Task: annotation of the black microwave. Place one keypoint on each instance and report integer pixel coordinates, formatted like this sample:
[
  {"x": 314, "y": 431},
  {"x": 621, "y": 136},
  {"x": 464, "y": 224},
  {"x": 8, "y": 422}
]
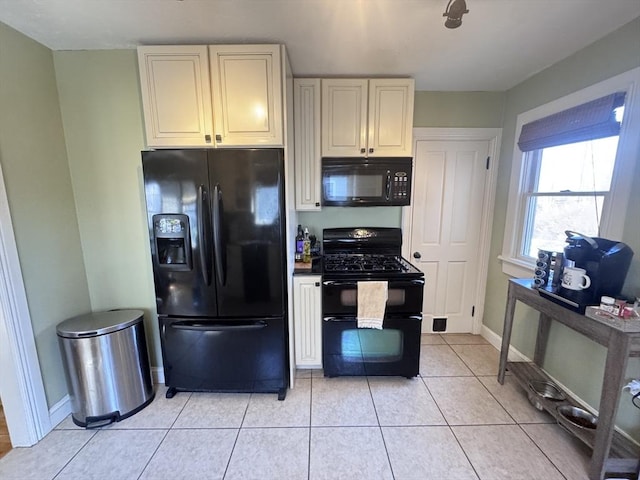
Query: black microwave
[{"x": 366, "y": 182}]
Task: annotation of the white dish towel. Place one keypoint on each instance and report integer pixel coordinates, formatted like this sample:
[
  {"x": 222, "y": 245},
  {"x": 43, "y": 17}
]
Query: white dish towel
[{"x": 372, "y": 302}]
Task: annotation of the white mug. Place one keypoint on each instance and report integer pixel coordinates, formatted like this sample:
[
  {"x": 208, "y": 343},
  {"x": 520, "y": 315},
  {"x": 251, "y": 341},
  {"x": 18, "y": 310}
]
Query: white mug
[{"x": 575, "y": 278}]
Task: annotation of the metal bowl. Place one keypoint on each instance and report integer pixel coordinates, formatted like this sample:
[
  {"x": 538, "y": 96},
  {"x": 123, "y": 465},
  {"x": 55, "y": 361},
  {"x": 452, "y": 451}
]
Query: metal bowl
[
  {"x": 535, "y": 401},
  {"x": 578, "y": 417},
  {"x": 547, "y": 390}
]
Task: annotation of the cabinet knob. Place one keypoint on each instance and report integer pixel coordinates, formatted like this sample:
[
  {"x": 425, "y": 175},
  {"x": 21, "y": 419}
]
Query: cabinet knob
[
  {"x": 207, "y": 138},
  {"x": 362, "y": 150},
  {"x": 317, "y": 204},
  {"x": 371, "y": 150},
  {"x": 218, "y": 138},
  {"x": 317, "y": 284},
  {"x": 416, "y": 255}
]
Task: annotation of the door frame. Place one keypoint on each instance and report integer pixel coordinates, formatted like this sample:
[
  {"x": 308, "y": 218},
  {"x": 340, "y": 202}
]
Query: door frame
[
  {"x": 21, "y": 386},
  {"x": 494, "y": 137}
]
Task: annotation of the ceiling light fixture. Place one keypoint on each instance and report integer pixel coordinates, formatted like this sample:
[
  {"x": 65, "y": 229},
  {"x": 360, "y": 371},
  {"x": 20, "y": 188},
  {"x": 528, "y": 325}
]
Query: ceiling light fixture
[{"x": 454, "y": 11}]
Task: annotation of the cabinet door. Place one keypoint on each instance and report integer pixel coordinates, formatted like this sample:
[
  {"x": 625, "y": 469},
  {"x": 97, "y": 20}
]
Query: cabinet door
[
  {"x": 176, "y": 95},
  {"x": 247, "y": 95},
  {"x": 390, "y": 117},
  {"x": 306, "y": 114},
  {"x": 307, "y": 310},
  {"x": 344, "y": 117}
]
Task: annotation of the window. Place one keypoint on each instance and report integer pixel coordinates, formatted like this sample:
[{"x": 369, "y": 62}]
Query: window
[
  {"x": 565, "y": 190},
  {"x": 572, "y": 170}
]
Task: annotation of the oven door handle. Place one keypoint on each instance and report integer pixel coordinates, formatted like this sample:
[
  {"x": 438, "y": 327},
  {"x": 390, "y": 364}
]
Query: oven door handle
[
  {"x": 353, "y": 319},
  {"x": 392, "y": 284},
  {"x": 339, "y": 319}
]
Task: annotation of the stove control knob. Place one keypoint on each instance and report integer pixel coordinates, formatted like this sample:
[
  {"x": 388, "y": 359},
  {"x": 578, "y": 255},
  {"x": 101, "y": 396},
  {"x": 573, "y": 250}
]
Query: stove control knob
[{"x": 416, "y": 255}]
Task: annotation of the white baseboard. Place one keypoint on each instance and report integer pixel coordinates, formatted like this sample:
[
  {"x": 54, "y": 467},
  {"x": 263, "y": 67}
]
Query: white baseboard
[
  {"x": 496, "y": 340},
  {"x": 60, "y": 411},
  {"x": 157, "y": 375}
]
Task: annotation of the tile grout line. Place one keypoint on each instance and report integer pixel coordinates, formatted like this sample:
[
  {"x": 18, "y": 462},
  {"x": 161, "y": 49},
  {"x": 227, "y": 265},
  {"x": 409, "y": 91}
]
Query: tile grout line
[
  {"x": 375, "y": 410},
  {"x": 448, "y": 425},
  {"x": 166, "y": 433},
  {"x": 75, "y": 454},
  {"x": 235, "y": 441}
]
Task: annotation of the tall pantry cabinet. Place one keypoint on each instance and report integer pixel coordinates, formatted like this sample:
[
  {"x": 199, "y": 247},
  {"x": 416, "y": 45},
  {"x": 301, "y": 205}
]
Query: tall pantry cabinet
[{"x": 216, "y": 95}]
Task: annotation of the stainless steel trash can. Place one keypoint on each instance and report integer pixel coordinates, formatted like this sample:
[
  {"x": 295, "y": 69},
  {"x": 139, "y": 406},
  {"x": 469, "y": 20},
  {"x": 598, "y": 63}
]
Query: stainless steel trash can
[{"x": 106, "y": 366}]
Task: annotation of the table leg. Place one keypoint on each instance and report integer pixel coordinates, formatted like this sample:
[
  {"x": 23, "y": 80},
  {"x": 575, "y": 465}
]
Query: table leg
[
  {"x": 506, "y": 333},
  {"x": 614, "y": 370},
  {"x": 541, "y": 341}
]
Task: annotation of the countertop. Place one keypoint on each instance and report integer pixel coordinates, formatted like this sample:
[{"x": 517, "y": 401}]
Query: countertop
[{"x": 314, "y": 268}]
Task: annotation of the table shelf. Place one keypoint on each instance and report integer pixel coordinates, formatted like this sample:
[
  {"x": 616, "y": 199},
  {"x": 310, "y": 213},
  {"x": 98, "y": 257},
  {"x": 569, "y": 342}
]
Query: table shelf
[
  {"x": 611, "y": 451},
  {"x": 523, "y": 372}
]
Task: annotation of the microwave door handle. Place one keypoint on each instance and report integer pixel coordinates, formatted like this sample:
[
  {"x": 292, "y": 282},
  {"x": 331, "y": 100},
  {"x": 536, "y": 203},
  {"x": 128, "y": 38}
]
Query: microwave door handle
[
  {"x": 388, "y": 189},
  {"x": 202, "y": 235},
  {"x": 217, "y": 236}
]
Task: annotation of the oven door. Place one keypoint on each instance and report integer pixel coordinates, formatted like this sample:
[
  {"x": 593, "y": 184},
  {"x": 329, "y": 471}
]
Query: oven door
[
  {"x": 349, "y": 350},
  {"x": 340, "y": 297}
]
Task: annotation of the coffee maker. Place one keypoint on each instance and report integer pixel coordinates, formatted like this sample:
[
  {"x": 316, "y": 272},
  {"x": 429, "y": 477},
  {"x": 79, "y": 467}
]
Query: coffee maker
[{"x": 606, "y": 263}]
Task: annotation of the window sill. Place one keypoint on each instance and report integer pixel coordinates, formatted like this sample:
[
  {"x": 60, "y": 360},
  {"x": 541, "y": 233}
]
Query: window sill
[{"x": 516, "y": 268}]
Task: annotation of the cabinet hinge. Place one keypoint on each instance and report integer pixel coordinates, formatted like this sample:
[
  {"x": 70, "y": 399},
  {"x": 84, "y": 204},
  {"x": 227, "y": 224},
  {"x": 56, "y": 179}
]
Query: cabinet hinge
[
  {"x": 473, "y": 311},
  {"x": 488, "y": 160}
]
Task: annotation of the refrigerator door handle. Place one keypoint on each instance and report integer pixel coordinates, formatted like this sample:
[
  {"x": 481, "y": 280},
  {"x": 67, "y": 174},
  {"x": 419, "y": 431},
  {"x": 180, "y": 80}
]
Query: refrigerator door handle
[
  {"x": 221, "y": 269},
  {"x": 217, "y": 327},
  {"x": 202, "y": 236}
]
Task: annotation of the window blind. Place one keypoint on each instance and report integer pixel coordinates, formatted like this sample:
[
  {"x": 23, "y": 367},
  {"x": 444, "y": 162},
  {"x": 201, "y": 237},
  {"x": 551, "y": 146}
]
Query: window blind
[{"x": 591, "y": 120}]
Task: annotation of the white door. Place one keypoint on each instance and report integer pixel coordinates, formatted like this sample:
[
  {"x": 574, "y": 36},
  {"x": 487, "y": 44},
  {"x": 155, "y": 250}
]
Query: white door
[{"x": 446, "y": 227}]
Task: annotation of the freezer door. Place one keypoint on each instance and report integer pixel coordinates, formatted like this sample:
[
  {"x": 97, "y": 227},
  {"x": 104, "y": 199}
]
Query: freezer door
[
  {"x": 178, "y": 211},
  {"x": 239, "y": 355},
  {"x": 248, "y": 231}
]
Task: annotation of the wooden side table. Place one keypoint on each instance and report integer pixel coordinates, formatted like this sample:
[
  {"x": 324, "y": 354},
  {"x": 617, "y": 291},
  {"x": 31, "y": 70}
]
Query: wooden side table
[{"x": 612, "y": 452}]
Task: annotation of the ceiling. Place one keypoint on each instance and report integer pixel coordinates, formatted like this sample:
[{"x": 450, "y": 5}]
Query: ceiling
[{"x": 500, "y": 43}]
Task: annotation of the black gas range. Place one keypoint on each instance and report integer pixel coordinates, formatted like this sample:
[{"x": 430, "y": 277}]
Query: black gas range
[{"x": 352, "y": 256}]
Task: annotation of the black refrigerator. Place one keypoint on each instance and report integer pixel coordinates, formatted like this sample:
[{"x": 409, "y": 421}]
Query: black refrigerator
[{"x": 217, "y": 234}]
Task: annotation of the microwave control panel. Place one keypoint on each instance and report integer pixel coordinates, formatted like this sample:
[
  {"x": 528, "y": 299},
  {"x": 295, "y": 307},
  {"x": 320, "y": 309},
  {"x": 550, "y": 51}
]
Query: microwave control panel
[{"x": 400, "y": 186}]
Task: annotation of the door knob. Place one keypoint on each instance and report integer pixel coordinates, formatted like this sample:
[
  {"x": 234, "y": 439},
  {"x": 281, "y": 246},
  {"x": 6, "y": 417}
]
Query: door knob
[{"x": 416, "y": 255}]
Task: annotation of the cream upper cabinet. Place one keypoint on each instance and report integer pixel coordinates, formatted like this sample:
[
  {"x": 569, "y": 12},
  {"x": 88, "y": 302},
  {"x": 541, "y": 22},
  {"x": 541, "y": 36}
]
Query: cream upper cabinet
[
  {"x": 176, "y": 95},
  {"x": 307, "y": 323},
  {"x": 367, "y": 117},
  {"x": 344, "y": 117},
  {"x": 247, "y": 94},
  {"x": 306, "y": 114}
]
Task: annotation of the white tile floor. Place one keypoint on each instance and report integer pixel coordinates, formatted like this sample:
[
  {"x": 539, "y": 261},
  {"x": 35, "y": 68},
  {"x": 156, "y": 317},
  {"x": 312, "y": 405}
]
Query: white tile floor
[{"x": 454, "y": 422}]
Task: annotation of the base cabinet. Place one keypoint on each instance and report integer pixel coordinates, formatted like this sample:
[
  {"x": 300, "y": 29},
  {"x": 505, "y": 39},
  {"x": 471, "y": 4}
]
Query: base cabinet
[{"x": 307, "y": 310}]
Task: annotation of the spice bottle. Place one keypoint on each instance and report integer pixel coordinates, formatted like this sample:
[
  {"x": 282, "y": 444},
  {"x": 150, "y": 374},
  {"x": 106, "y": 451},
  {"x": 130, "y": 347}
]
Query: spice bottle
[
  {"x": 299, "y": 244},
  {"x": 306, "y": 247}
]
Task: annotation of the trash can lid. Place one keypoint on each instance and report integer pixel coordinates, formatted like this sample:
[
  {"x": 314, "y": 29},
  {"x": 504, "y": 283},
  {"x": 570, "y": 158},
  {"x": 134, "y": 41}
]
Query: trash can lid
[{"x": 98, "y": 323}]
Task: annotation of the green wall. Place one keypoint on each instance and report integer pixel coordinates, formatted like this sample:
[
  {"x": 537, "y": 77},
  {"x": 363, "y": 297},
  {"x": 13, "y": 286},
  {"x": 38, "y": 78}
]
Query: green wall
[
  {"x": 572, "y": 359},
  {"x": 102, "y": 117},
  {"x": 38, "y": 185}
]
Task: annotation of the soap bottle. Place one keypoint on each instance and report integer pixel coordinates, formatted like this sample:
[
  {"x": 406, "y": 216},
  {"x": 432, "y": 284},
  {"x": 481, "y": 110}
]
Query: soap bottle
[
  {"x": 306, "y": 247},
  {"x": 299, "y": 244}
]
